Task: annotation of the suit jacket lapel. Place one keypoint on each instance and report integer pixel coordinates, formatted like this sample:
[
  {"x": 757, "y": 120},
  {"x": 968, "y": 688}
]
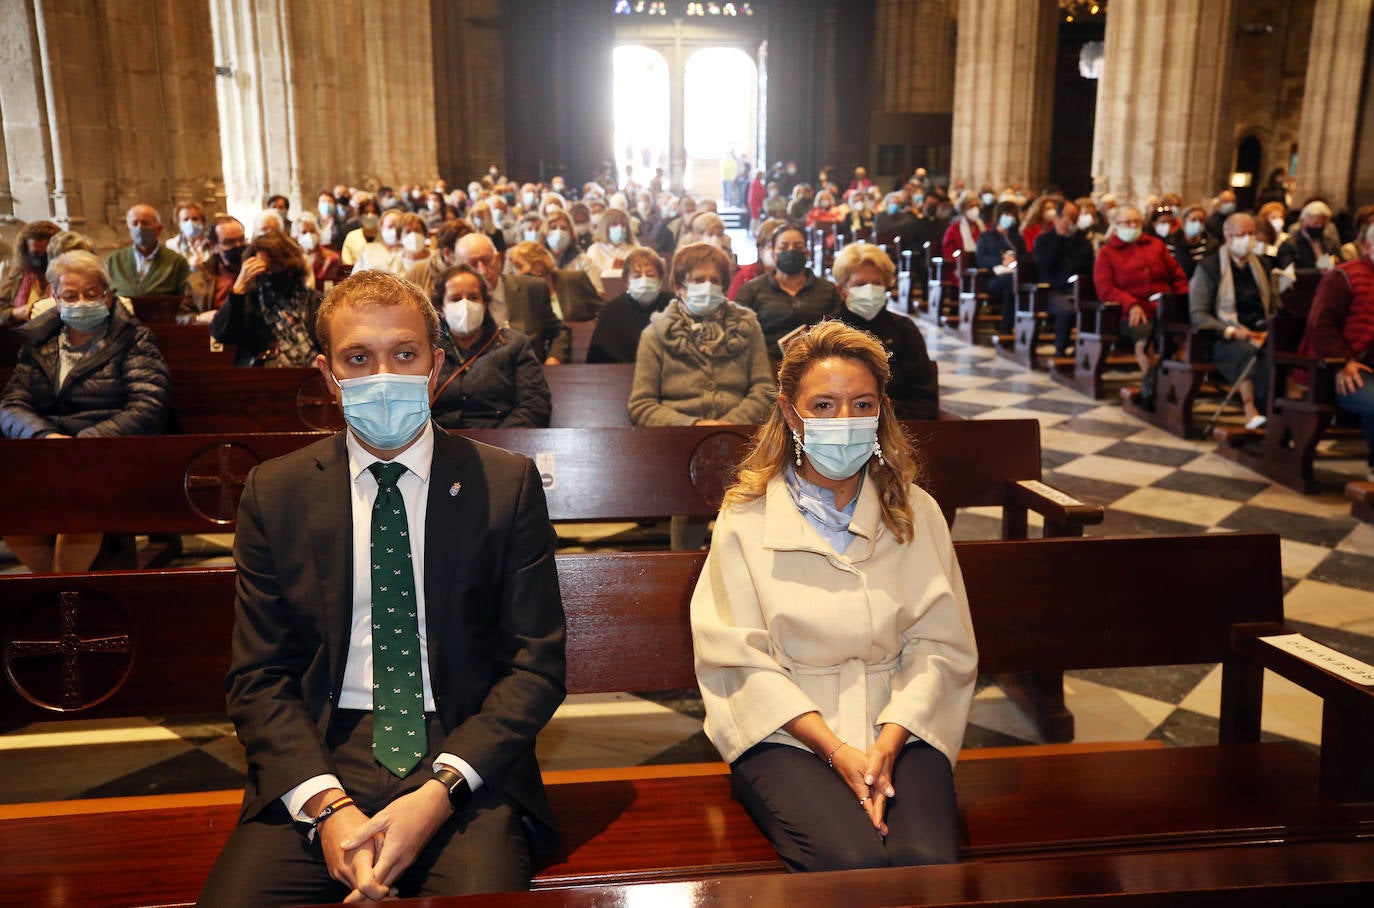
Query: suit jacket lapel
[
  {"x": 331, "y": 539},
  {"x": 448, "y": 536}
]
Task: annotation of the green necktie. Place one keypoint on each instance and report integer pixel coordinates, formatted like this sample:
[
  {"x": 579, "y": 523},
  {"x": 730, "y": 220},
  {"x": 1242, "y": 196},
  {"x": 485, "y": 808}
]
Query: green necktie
[{"x": 398, "y": 700}]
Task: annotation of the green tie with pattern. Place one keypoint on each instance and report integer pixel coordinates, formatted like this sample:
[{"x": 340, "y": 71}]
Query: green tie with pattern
[{"x": 398, "y": 704}]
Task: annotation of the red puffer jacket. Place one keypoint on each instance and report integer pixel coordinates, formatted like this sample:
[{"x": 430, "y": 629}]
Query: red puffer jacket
[{"x": 1128, "y": 273}]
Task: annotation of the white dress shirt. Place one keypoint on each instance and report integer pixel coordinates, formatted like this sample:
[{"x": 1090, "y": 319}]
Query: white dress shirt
[{"x": 356, "y": 692}]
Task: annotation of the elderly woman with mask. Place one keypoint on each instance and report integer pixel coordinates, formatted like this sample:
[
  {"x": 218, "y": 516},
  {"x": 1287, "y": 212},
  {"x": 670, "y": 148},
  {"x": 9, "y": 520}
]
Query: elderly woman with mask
[
  {"x": 559, "y": 236},
  {"x": 571, "y": 293},
  {"x": 701, "y": 361},
  {"x": 270, "y": 313},
  {"x": 86, "y": 368},
  {"x": 866, "y": 277},
  {"x": 491, "y": 378},
  {"x": 614, "y": 241},
  {"x": 623, "y": 320}
]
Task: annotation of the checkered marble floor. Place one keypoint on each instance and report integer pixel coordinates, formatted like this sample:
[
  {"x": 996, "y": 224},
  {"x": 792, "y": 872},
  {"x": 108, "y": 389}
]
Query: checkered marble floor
[{"x": 1149, "y": 481}]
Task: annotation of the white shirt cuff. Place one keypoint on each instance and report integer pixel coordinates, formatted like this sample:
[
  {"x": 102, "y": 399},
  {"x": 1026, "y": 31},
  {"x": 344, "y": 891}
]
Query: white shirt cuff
[
  {"x": 463, "y": 767},
  {"x": 296, "y": 798}
]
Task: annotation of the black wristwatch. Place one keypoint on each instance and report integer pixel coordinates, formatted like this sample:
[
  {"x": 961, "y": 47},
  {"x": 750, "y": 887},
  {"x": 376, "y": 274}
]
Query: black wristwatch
[{"x": 459, "y": 792}]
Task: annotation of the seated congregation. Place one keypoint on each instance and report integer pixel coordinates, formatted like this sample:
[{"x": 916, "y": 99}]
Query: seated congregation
[{"x": 402, "y": 629}]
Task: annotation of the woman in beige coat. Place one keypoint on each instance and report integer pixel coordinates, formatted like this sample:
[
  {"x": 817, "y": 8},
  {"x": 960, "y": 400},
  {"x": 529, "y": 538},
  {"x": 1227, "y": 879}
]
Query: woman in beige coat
[{"x": 834, "y": 648}]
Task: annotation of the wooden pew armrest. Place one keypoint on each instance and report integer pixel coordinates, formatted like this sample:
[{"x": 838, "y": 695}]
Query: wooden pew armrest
[
  {"x": 1064, "y": 515},
  {"x": 1247, "y": 639},
  {"x": 1347, "y": 775}
]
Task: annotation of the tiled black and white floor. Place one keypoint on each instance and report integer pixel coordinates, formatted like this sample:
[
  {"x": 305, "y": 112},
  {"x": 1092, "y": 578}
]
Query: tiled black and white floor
[{"x": 1149, "y": 481}]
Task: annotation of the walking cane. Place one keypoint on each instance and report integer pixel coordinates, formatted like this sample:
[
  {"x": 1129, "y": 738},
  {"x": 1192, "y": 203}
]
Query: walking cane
[{"x": 1235, "y": 386}]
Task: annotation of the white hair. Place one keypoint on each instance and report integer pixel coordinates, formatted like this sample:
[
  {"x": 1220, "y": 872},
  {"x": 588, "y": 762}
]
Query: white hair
[{"x": 1316, "y": 208}]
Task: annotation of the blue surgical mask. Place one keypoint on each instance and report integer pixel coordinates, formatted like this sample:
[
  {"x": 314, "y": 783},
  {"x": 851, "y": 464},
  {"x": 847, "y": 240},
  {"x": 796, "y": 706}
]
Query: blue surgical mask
[
  {"x": 385, "y": 410},
  {"x": 644, "y": 290},
  {"x": 839, "y": 448},
  {"x": 893, "y": 208},
  {"x": 703, "y": 298},
  {"x": 325, "y": 209},
  {"x": 557, "y": 239},
  {"x": 1191, "y": 229},
  {"x": 84, "y": 316},
  {"x": 1128, "y": 234},
  {"x": 616, "y": 234},
  {"x": 1005, "y": 222},
  {"x": 192, "y": 228},
  {"x": 531, "y": 236}
]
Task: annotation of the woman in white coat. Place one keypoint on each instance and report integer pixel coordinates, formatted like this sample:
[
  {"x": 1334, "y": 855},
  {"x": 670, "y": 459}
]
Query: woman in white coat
[{"x": 834, "y": 648}]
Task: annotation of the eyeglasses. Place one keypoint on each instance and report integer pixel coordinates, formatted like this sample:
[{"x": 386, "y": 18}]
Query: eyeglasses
[{"x": 90, "y": 296}]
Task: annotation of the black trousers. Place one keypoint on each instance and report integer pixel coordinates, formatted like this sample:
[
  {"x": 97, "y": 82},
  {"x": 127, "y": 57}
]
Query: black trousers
[
  {"x": 267, "y": 860},
  {"x": 815, "y": 823},
  {"x": 1003, "y": 289},
  {"x": 1062, "y": 310}
]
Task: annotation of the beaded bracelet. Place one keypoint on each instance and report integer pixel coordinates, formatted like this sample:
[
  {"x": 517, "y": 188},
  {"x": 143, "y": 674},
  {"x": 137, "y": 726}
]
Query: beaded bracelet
[{"x": 830, "y": 757}]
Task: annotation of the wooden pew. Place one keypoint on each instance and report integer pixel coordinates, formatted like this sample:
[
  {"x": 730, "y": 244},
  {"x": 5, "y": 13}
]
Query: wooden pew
[
  {"x": 158, "y": 308},
  {"x": 1035, "y": 605},
  {"x": 974, "y": 322},
  {"x": 1094, "y": 349},
  {"x": 191, "y": 347},
  {"x": 1302, "y": 400},
  {"x": 191, "y": 483},
  {"x": 1184, "y": 367},
  {"x": 1361, "y": 495}
]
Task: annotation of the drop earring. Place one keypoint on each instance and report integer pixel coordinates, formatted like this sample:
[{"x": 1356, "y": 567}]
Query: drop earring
[
  {"x": 797, "y": 443},
  {"x": 878, "y": 453}
]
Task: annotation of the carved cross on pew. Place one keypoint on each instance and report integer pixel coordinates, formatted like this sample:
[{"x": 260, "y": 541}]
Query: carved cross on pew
[
  {"x": 70, "y": 647},
  {"x": 214, "y": 481}
]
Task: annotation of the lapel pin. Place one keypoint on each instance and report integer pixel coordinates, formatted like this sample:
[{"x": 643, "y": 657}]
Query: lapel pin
[{"x": 454, "y": 489}]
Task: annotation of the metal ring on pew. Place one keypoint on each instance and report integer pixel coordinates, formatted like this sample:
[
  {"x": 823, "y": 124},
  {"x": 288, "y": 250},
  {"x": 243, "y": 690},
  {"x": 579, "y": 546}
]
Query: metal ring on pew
[
  {"x": 713, "y": 462},
  {"x": 69, "y": 655},
  {"x": 316, "y": 405},
  {"x": 214, "y": 481}
]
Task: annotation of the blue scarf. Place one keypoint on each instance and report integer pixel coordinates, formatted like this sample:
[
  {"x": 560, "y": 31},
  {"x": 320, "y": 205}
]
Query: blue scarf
[{"x": 818, "y": 507}]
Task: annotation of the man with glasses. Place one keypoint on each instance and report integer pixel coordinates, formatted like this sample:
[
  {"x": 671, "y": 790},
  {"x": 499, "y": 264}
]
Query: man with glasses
[{"x": 519, "y": 302}]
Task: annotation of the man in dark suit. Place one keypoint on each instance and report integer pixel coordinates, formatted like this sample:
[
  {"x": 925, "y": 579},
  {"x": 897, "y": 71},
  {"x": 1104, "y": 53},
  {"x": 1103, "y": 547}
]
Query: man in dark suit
[
  {"x": 398, "y": 640},
  {"x": 518, "y": 302}
]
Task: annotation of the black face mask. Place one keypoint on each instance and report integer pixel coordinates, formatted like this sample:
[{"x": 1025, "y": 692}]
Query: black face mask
[
  {"x": 37, "y": 263},
  {"x": 1315, "y": 232},
  {"x": 233, "y": 258},
  {"x": 791, "y": 261}
]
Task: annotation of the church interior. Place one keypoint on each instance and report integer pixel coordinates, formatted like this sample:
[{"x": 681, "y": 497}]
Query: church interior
[{"x": 923, "y": 112}]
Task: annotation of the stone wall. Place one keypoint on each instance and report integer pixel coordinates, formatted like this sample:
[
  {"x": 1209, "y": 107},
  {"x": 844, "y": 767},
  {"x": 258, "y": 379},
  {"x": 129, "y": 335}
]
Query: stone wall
[{"x": 105, "y": 105}]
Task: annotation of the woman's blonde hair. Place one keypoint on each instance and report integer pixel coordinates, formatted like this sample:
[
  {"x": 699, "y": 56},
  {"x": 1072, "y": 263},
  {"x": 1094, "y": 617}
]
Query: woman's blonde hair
[
  {"x": 856, "y": 254},
  {"x": 772, "y": 446}
]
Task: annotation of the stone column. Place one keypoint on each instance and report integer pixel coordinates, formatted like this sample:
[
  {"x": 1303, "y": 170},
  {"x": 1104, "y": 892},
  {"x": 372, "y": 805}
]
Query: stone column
[
  {"x": 1004, "y": 92},
  {"x": 1331, "y": 100},
  {"x": 1164, "y": 121},
  {"x": 105, "y": 105},
  {"x": 677, "y": 118},
  {"x": 914, "y": 55},
  {"x": 315, "y": 97}
]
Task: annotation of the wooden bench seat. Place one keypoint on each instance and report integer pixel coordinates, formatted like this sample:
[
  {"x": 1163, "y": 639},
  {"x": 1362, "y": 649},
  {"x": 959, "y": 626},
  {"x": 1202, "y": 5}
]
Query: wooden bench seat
[
  {"x": 1361, "y": 495},
  {"x": 191, "y": 483},
  {"x": 628, "y": 630}
]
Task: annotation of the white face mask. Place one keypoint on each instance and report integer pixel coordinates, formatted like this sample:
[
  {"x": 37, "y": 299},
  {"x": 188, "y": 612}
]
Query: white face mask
[
  {"x": 557, "y": 239},
  {"x": 413, "y": 242},
  {"x": 866, "y": 301},
  {"x": 389, "y": 236},
  {"x": 1128, "y": 234},
  {"x": 1085, "y": 221},
  {"x": 644, "y": 290},
  {"x": 464, "y": 317},
  {"x": 703, "y": 298},
  {"x": 1163, "y": 229},
  {"x": 308, "y": 241},
  {"x": 1277, "y": 224},
  {"x": 1240, "y": 246}
]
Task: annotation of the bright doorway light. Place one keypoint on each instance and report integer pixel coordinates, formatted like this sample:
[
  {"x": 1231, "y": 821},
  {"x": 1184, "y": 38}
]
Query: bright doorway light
[
  {"x": 641, "y": 112},
  {"x": 720, "y": 112}
]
